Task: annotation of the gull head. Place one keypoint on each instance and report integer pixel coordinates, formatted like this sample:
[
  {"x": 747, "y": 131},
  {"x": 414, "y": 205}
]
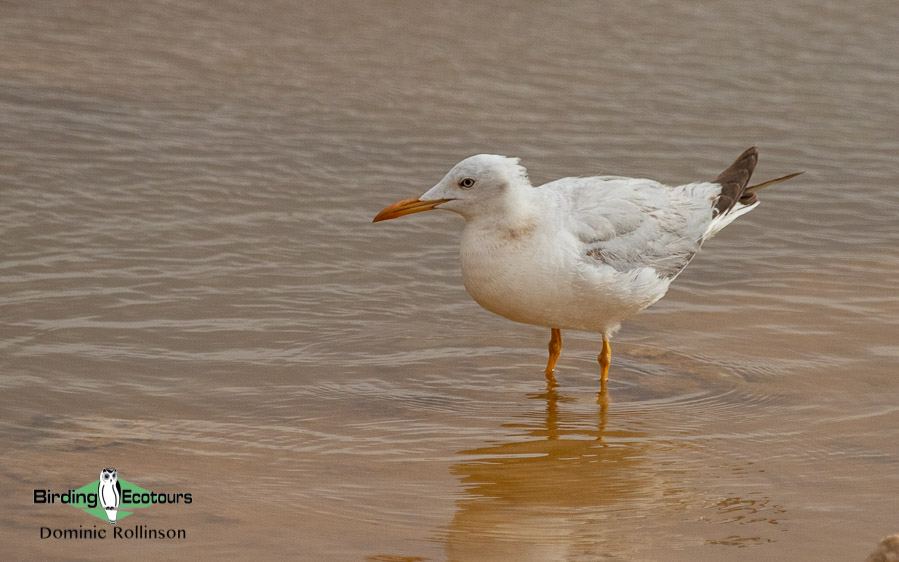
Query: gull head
[{"x": 479, "y": 185}]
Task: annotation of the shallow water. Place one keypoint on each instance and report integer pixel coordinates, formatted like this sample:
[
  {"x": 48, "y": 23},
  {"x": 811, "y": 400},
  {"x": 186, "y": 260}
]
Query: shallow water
[{"x": 192, "y": 292}]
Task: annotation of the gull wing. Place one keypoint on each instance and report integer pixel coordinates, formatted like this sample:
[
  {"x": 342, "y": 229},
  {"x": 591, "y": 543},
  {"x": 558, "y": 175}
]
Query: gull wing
[{"x": 629, "y": 224}]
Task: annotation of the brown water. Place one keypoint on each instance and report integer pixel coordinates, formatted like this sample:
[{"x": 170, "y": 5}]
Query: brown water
[{"x": 191, "y": 290}]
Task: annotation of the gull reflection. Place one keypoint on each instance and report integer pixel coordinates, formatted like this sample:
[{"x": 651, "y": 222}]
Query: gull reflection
[{"x": 551, "y": 490}]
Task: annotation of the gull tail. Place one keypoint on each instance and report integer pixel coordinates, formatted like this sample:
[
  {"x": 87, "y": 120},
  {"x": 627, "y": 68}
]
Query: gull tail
[
  {"x": 735, "y": 179},
  {"x": 737, "y": 196}
]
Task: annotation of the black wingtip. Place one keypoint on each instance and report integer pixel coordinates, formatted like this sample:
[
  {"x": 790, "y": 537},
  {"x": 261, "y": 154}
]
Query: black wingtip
[
  {"x": 753, "y": 188},
  {"x": 744, "y": 164},
  {"x": 734, "y": 179}
]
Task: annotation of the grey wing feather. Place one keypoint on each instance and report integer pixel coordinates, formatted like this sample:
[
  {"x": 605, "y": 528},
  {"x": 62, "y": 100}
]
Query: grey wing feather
[{"x": 628, "y": 223}]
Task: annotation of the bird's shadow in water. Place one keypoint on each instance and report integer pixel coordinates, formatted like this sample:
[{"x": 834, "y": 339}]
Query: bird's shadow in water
[
  {"x": 602, "y": 397},
  {"x": 552, "y": 484},
  {"x": 575, "y": 478}
]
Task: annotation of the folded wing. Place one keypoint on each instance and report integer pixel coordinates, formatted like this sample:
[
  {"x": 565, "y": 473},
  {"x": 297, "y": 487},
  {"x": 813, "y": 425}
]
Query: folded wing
[{"x": 629, "y": 224}]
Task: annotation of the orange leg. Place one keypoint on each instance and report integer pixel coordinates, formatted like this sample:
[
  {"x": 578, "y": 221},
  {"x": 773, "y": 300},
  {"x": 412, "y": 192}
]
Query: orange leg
[
  {"x": 605, "y": 359},
  {"x": 555, "y": 349}
]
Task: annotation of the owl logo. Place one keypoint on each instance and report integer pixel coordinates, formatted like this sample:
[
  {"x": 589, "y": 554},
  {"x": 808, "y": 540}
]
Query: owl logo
[{"x": 110, "y": 492}]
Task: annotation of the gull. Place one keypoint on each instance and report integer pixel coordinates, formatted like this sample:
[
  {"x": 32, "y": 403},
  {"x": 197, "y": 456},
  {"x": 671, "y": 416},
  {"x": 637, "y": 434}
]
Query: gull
[{"x": 579, "y": 253}]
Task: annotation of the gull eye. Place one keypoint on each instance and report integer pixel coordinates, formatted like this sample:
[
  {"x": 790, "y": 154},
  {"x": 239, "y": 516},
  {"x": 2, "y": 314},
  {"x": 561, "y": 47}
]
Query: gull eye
[{"x": 466, "y": 183}]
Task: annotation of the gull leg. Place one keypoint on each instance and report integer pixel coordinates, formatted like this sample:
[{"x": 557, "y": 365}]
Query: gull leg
[
  {"x": 605, "y": 359},
  {"x": 555, "y": 349}
]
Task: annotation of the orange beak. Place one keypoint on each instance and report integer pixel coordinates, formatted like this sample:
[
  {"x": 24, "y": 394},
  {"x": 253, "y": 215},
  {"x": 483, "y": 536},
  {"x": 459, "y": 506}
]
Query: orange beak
[{"x": 407, "y": 207}]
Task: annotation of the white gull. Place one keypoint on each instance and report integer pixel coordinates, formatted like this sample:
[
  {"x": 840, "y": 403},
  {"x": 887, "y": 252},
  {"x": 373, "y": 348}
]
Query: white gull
[{"x": 579, "y": 253}]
